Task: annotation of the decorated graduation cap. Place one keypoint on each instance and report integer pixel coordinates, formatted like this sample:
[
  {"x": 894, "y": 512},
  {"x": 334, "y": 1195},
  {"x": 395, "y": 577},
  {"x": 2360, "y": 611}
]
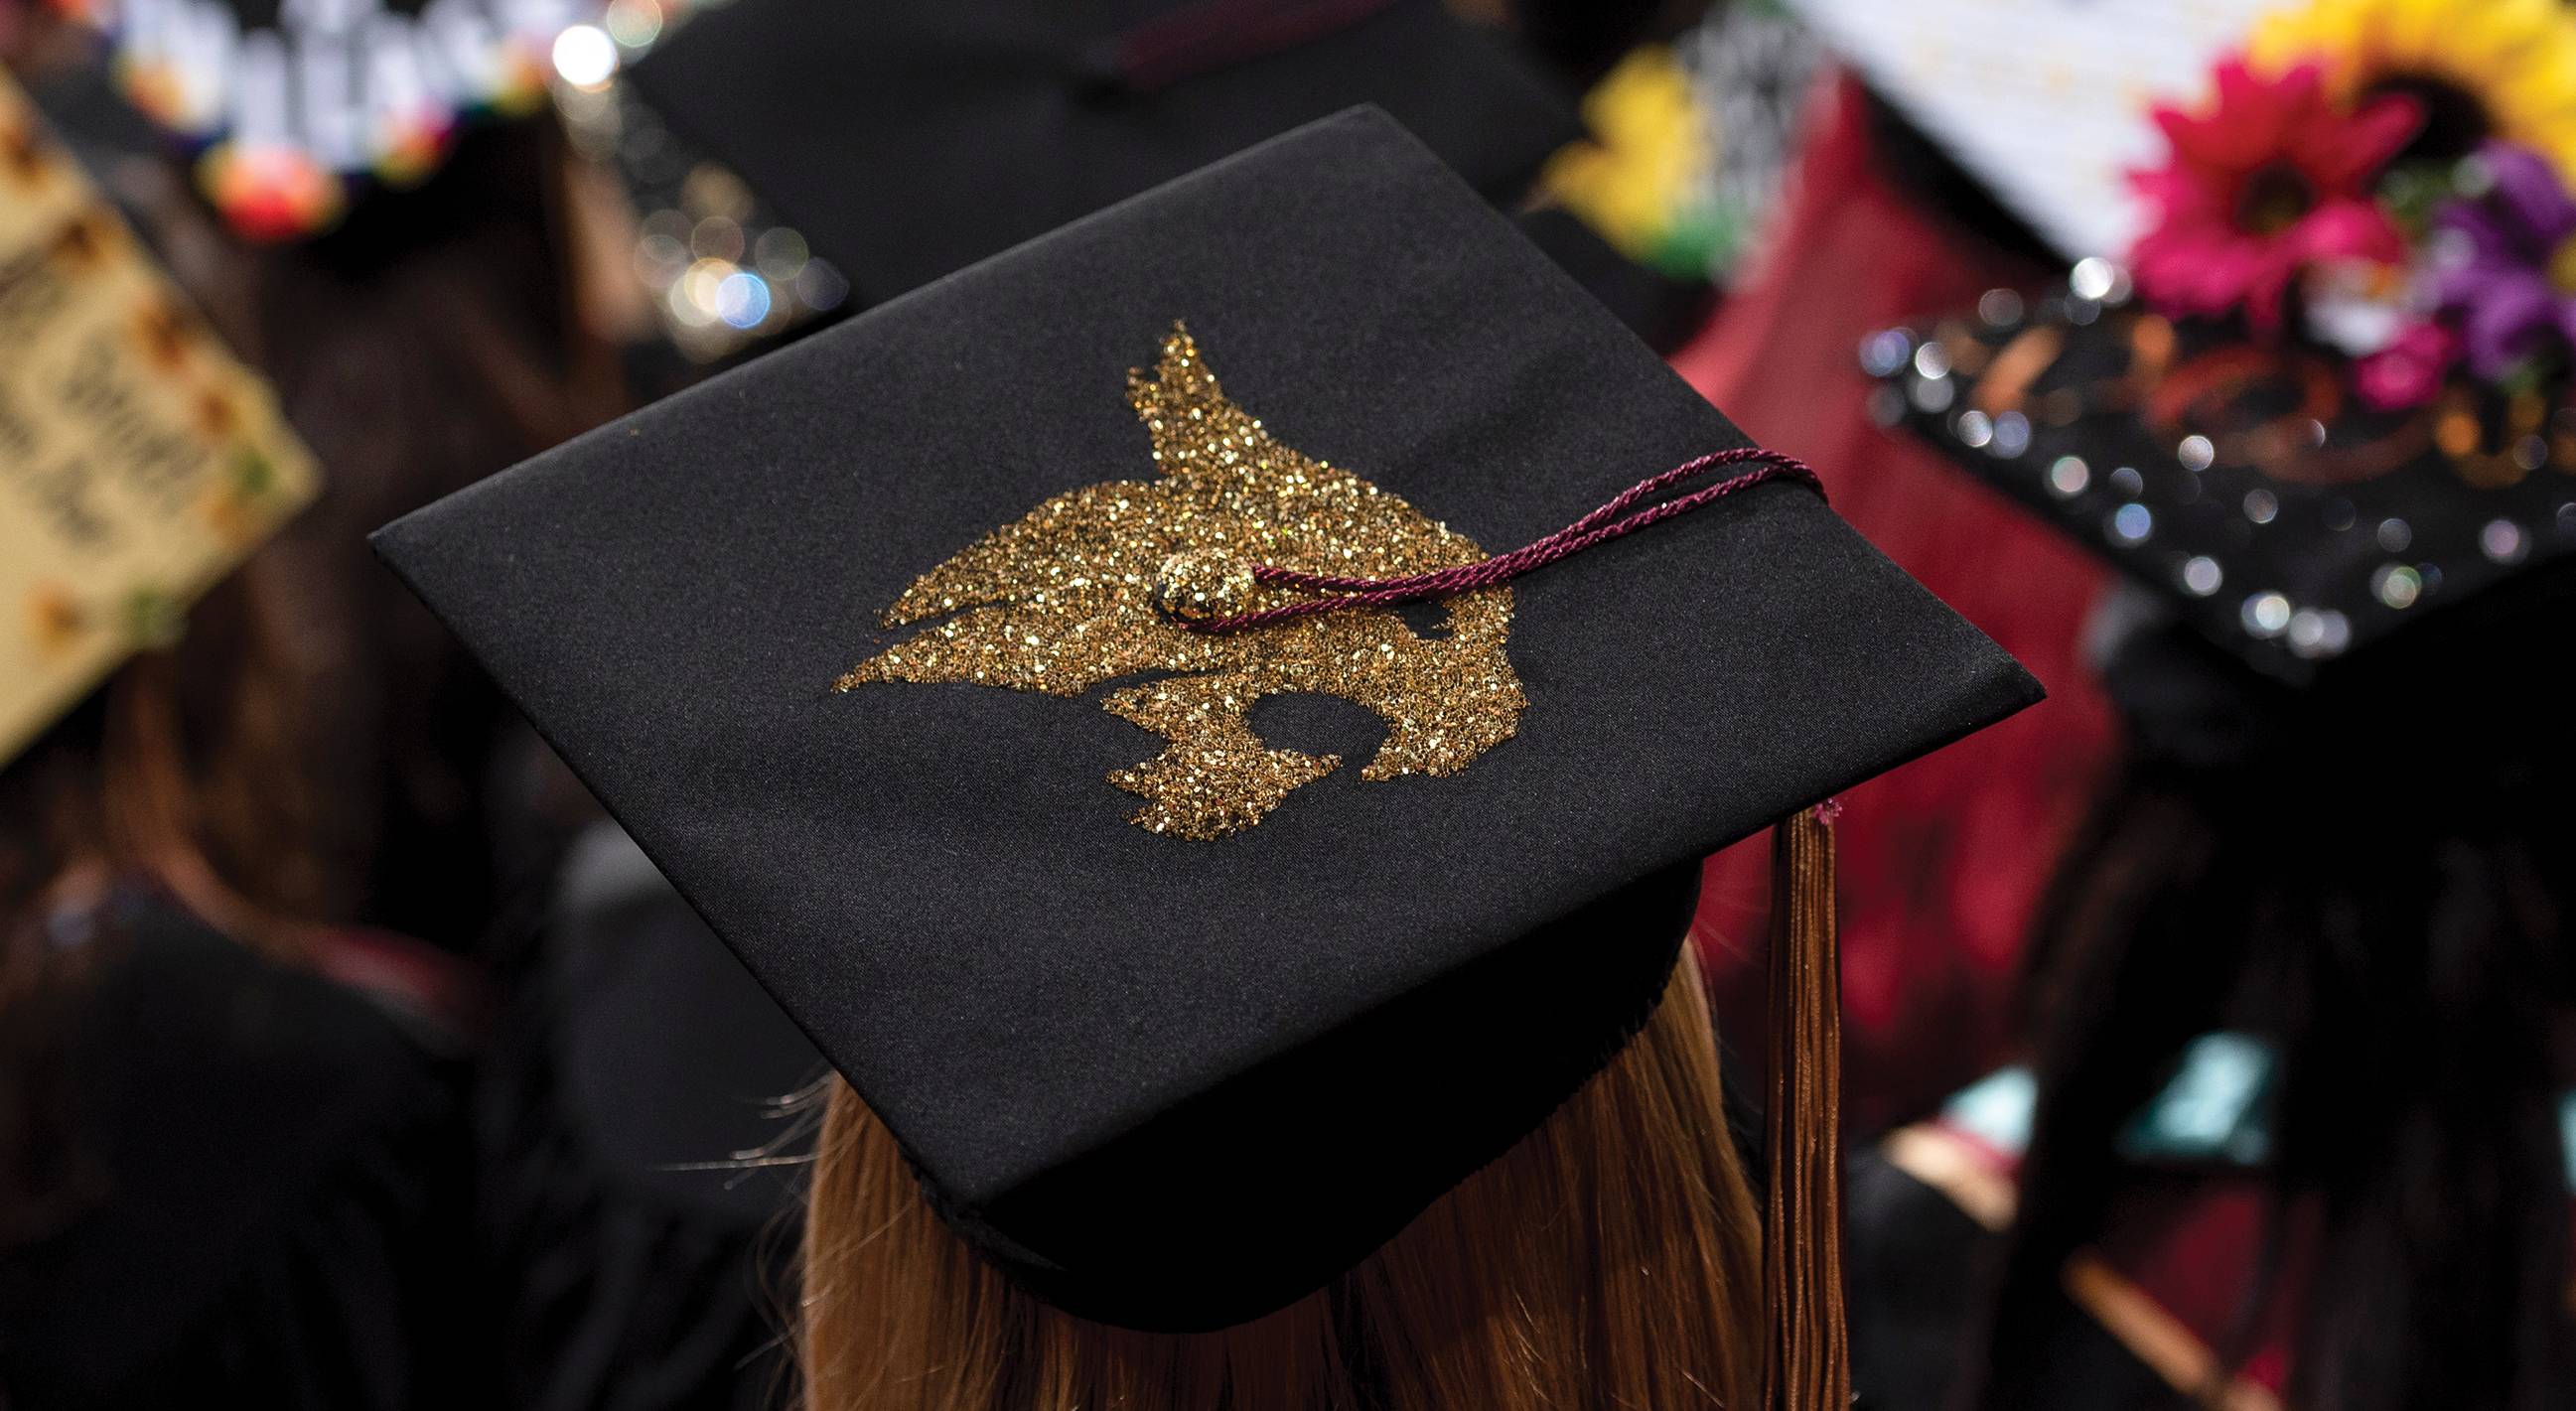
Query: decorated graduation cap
[
  {"x": 897, "y": 143},
  {"x": 291, "y": 108},
  {"x": 139, "y": 463},
  {"x": 2246, "y": 485},
  {"x": 2327, "y": 397},
  {"x": 1210, "y": 718}
]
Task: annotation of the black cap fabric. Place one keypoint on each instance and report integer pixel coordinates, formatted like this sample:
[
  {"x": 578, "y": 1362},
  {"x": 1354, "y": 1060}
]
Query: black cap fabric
[
  {"x": 1170, "y": 1059},
  {"x": 2244, "y": 484},
  {"x": 907, "y": 141}
]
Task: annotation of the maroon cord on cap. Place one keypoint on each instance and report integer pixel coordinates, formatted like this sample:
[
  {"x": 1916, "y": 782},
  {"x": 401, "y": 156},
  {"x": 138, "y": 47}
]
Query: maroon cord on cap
[
  {"x": 1218, "y": 34},
  {"x": 1599, "y": 527}
]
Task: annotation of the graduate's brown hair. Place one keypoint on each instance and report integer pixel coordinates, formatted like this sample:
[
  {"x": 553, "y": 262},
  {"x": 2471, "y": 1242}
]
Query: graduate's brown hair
[{"x": 1611, "y": 1259}]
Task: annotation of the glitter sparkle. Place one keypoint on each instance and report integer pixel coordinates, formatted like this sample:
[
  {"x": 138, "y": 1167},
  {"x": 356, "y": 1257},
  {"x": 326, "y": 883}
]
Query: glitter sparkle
[{"x": 1071, "y": 596}]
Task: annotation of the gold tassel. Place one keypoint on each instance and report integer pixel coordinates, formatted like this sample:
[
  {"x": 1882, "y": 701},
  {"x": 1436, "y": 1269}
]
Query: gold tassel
[{"x": 1807, "y": 1365}]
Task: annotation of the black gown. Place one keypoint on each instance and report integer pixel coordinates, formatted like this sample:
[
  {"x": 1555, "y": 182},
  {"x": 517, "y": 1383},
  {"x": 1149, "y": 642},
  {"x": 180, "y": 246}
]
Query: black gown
[
  {"x": 652, "y": 1270},
  {"x": 269, "y": 1202},
  {"x": 2136, "y": 1318},
  {"x": 1917, "y": 1261}
]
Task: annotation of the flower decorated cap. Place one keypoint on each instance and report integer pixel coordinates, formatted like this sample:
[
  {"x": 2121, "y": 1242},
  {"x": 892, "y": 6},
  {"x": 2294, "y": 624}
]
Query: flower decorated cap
[
  {"x": 2341, "y": 402},
  {"x": 1136, "y": 704},
  {"x": 2040, "y": 101},
  {"x": 2049, "y": 105},
  {"x": 901, "y": 142},
  {"x": 2247, "y": 482}
]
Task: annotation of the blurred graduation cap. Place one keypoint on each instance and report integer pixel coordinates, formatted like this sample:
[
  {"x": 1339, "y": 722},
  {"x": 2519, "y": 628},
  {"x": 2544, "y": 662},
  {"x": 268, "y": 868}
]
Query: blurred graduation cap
[
  {"x": 1187, "y": 964},
  {"x": 901, "y": 142},
  {"x": 2243, "y": 483},
  {"x": 291, "y": 108},
  {"x": 2037, "y": 102},
  {"x": 142, "y": 463}
]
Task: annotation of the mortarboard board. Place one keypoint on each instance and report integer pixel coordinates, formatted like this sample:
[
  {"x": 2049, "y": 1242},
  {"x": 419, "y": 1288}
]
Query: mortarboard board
[
  {"x": 2244, "y": 484},
  {"x": 141, "y": 463},
  {"x": 1176, "y": 1023},
  {"x": 2039, "y": 102},
  {"x": 2332, "y": 417},
  {"x": 905, "y": 141}
]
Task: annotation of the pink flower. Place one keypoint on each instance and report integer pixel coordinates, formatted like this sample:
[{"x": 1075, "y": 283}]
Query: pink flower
[
  {"x": 2408, "y": 371},
  {"x": 2274, "y": 178}
]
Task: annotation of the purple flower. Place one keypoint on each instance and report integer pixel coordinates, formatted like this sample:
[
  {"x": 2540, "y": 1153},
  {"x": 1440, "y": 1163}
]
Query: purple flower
[{"x": 2508, "y": 276}]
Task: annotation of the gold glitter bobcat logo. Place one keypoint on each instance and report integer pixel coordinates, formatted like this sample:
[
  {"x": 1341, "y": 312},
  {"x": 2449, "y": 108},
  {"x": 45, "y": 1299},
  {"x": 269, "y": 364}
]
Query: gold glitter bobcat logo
[{"x": 1073, "y": 595}]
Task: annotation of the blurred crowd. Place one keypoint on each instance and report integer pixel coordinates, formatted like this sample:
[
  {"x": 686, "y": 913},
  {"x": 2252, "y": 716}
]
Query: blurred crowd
[{"x": 2204, "y": 1027}]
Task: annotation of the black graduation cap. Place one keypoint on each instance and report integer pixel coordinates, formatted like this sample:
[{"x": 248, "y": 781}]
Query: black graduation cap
[
  {"x": 906, "y": 141},
  {"x": 2243, "y": 483},
  {"x": 1189, "y": 967}
]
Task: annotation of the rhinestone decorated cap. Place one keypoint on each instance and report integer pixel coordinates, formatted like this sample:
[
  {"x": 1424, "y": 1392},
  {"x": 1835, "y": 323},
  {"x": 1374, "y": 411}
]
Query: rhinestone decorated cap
[
  {"x": 2247, "y": 485},
  {"x": 1189, "y": 967}
]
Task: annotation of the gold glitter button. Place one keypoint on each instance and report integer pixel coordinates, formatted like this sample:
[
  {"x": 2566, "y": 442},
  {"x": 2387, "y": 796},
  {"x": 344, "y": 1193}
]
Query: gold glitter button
[
  {"x": 1198, "y": 586},
  {"x": 1083, "y": 590}
]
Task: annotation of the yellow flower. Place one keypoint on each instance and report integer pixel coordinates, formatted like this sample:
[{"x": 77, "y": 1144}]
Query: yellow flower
[
  {"x": 1636, "y": 179},
  {"x": 2516, "y": 59}
]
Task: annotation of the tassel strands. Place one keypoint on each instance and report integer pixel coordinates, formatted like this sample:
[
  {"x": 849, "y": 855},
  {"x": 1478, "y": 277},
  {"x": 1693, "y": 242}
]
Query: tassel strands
[{"x": 1807, "y": 1365}]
